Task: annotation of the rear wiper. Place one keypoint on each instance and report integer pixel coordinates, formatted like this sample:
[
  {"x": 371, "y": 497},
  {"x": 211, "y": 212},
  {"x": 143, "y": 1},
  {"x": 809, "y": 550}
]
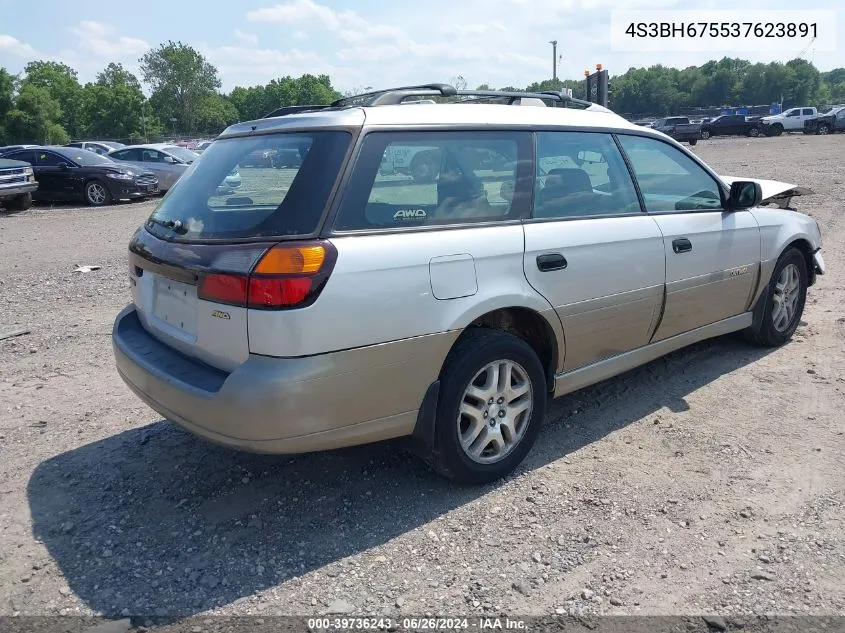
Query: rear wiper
[{"x": 177, "y": 226}]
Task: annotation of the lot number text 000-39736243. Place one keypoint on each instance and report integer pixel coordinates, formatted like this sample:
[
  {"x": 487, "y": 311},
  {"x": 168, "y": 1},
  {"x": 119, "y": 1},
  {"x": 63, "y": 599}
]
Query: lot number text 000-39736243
[{"x": 722, "y": 31}]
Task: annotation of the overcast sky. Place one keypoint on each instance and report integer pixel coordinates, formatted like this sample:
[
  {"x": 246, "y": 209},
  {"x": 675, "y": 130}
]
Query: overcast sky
[{"x": 377, "y": 43}]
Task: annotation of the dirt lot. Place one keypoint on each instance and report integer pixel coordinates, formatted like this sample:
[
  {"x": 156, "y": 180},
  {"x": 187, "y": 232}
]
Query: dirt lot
[{"x": 708, "y": 481}]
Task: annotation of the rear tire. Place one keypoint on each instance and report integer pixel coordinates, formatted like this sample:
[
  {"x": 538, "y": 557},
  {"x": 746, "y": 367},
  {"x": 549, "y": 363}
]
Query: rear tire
[
  {"x": 97, "y": 194},
  {"x": 486, "y": 423},
  {"x": 777, "y": 130},
  {"x": 19, "y": 203},
  {"x": 781, "y": 305},
  {"x": 693, "y": 141}
]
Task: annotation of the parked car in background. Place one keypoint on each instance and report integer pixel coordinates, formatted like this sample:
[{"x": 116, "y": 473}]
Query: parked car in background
[
  {"x": 679, "y": 128},
  {"x": 202, "y": 146},
  {"x": 167, "y": 162},
  {"x": 70, "y": 173},
  {"x": 98, "y": 147},
  {"x": 827, "y": 123},
  {"x": 791, "y": 120},
  {"x": 730, "y": 125},
  {"x": 17, "y": 184},
  {"x": 259, "y": 158}
]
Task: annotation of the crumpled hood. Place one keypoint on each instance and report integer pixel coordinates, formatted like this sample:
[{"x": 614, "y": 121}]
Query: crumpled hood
[{"x": 780, "y": 193}]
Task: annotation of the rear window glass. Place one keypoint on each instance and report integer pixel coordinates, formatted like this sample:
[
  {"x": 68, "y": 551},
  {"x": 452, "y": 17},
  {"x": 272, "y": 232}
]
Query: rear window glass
[
  {"x": 403, "y": 180},
  {"x": 261, "y": 186}
]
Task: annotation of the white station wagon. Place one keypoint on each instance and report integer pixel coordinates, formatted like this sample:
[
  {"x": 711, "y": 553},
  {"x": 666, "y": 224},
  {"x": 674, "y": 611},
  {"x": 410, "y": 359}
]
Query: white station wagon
[{"x": 342, "y": 302}]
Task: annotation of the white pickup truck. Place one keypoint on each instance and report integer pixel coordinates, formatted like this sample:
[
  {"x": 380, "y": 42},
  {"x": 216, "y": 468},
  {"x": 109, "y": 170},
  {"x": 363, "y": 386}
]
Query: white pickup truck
[{"x": 791, "y": 120}]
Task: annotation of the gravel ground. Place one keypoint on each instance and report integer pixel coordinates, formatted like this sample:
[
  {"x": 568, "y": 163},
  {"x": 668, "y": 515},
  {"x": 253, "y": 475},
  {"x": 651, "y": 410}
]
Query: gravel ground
[{"x": 709, "y": 481}]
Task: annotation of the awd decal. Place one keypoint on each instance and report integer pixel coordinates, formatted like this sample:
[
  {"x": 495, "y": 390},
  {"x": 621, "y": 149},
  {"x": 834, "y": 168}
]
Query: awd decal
[
  {"x": 219, "y": 314},
  {"x": 409, "y": 214}
]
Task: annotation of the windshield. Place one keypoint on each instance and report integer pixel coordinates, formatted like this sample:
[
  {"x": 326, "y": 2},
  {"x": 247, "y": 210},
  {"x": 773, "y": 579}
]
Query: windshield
[
  {"x": 181, "y": 153},
  {"x": 283, "y": 187},
  {"x": 112, "y": 144},
  {"x": 84, "y": 157}
]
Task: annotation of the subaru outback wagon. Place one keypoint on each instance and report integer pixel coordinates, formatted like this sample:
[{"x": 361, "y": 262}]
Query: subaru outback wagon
[{"x": 339, "y": 303}]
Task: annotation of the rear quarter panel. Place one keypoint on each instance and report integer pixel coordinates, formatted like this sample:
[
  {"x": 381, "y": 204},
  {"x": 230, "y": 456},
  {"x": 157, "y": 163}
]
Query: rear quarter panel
[{"x": 381, "y": 290}]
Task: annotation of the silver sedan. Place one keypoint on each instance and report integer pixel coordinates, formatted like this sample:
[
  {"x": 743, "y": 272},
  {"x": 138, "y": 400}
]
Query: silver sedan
[{"x": 167, "y": 162}]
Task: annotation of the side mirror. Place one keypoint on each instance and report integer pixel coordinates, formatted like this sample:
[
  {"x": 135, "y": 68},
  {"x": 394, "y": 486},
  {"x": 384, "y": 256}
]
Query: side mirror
[
  {"x": 169, "y": 160},
  {"x": 62, "y": 166},
  {"x": 745, "y": 194}
]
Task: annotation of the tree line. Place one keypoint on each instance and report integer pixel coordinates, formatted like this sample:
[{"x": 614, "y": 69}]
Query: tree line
[{"x": 48, "y": 104}]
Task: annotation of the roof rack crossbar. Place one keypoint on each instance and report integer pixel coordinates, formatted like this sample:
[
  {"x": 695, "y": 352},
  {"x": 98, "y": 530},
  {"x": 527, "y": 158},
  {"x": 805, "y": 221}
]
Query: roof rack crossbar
[
  {"x": 293, "y": 109},
  {"x": 546, "y": 95},
  {"x": 395, "y": 96},
  {"x": 389, "y": 96}
]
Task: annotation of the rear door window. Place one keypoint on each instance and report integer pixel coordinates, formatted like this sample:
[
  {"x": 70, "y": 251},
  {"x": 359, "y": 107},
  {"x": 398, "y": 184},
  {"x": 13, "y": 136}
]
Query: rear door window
[
  {"x": 49, "y": 159},
  {"x": 581, "y": 174},
  {"x": 26, "y": 155},
  {"x": 151, "y": 156},
  {"x": 267, "y": 202},
  {"x": 409, "y": 179},
  {"x": 133, "y": 154}
]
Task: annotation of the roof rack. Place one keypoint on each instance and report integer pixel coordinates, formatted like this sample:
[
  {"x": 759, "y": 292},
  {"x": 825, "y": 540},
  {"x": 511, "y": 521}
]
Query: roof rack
[
  {"x": 396, "y": 96},
  {"x": 285, "y": 110}
]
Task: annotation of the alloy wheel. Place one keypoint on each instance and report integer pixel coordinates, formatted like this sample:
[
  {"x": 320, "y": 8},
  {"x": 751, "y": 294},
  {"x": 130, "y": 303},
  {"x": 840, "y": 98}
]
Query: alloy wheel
[{"x": 495, "y": 411}]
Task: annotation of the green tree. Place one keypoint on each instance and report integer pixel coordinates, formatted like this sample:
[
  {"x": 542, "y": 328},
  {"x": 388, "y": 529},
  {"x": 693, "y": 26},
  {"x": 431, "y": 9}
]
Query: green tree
[
  {"x": 180, "y": 79},
  {"x": 7, "y": 101},
  {"x": 805, "y": 82},
  {"x": 63, "y": 86},
  {"x": 251, "y": 103},
  {"x": 114, "y": 105},
  {"x": 215, "y": 113},
  {"x": 305, "y": 90},
  {"x": 35, "y": 117}
]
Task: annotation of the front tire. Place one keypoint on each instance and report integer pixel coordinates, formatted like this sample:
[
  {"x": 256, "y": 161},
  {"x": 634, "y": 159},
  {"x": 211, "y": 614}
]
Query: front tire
[
  {"x": 491, "y": 407},
  {"x": 779, "y": 312},
  {"x": 754, "y": 132},
  {"x": 693, "y": 141},
  {"x": 823, "y": 129},
  {"x": 19, "y": 203},
  {"x": 96, "y": 194},
  {"x": 705, "y": 134},
  {"x": 777, "y": 130}
]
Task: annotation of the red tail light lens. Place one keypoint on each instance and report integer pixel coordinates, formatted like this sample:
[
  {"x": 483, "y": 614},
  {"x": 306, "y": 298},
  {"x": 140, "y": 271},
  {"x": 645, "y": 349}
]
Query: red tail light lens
[
  {"x": 286, "y": 276},
  {"x": 224, "y": 288},
  {"x": 274, "y": 292}
]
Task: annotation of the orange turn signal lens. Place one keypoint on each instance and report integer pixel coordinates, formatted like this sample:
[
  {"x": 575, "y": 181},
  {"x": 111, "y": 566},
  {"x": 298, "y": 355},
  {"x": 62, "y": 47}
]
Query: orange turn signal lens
[{"x": 291, "y": 260}]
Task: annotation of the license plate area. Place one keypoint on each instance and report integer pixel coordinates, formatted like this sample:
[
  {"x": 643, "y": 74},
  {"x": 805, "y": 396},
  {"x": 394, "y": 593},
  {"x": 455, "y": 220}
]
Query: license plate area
[{"x": 175, "y": 305}]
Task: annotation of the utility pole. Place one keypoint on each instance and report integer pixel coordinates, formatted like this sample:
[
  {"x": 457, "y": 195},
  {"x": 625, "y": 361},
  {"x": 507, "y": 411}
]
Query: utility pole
[{"x": 554, "y": 59}]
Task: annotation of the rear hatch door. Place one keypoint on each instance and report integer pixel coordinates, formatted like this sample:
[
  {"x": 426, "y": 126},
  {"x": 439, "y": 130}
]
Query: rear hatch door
[{"x": 204, "y": 239}]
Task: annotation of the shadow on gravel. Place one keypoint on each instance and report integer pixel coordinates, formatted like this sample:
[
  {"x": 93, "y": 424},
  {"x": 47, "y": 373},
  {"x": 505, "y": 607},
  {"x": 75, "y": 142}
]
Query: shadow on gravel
[{"x": 155, "y": 522}]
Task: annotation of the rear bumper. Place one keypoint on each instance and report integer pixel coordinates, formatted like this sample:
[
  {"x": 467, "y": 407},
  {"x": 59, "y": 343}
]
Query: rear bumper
[{"x": 283, "y": 405}]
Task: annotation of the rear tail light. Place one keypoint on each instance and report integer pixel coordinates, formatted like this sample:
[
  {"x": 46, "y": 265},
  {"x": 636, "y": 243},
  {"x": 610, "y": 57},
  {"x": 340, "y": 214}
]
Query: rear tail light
[{"x": 286, "y": 276}]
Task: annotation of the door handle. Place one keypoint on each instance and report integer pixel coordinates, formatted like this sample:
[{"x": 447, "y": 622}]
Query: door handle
[
  {"x": 551, "y": 261},
  {"x": 681, "y": 245}
]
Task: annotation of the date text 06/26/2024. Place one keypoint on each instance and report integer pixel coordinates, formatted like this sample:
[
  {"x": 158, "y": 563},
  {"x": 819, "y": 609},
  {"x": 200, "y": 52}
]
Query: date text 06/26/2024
[{"x": 720, "y": 31}]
